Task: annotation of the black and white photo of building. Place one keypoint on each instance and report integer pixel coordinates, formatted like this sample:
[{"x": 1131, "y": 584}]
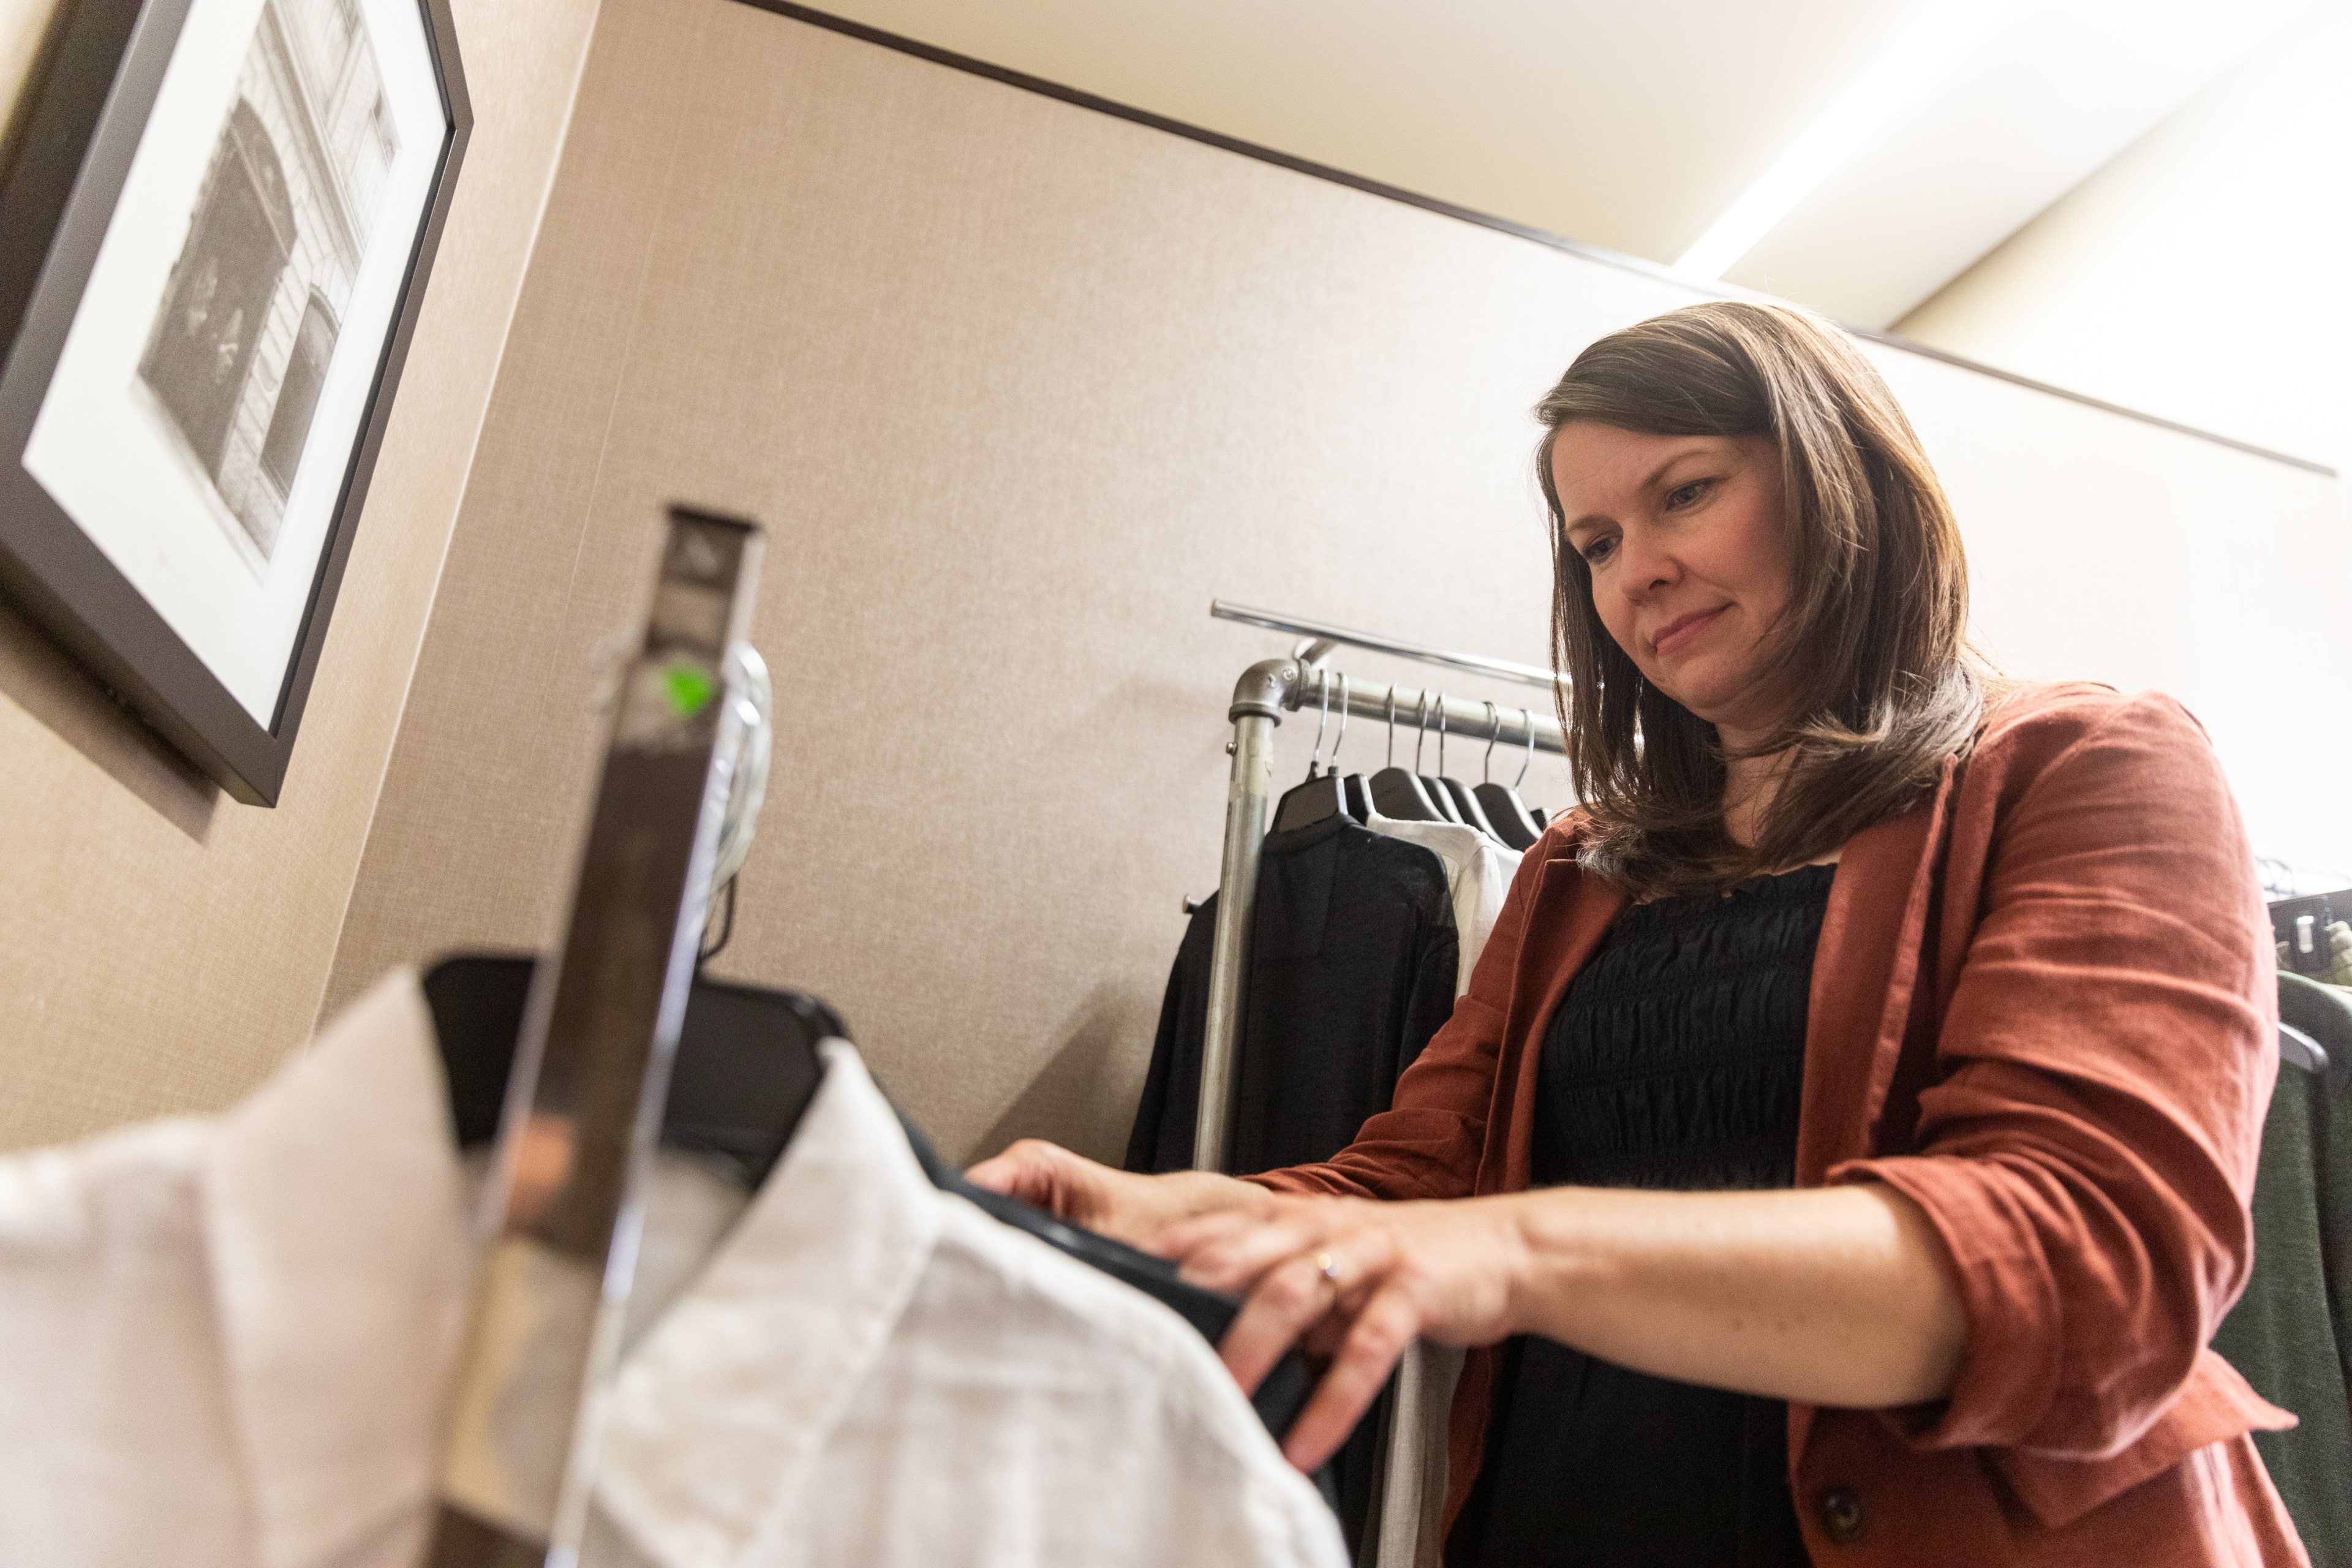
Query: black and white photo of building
[{"x": 239, "y": 349}]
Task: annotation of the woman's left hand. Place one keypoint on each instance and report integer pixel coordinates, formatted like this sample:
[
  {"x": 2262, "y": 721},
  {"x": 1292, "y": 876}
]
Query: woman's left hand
[{"x": 1355, "y": 1281}]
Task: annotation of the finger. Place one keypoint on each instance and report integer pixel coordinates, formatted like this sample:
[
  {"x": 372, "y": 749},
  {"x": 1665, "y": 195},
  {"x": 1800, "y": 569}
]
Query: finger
[
  {"x": 1322, "y": 1340},
  {"x": 1015, "y": 1172},
  {"x": 1037, "y": 1172},
  {"x": 1287, "y": 1301},
  {"x": 1236, "y": 1254},
  {"x": 1380, "y": 1334}
]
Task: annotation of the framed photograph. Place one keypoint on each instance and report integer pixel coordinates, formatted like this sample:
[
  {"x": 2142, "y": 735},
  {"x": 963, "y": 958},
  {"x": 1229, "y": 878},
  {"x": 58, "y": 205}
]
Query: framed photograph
[{"x": 220, "y": 215}]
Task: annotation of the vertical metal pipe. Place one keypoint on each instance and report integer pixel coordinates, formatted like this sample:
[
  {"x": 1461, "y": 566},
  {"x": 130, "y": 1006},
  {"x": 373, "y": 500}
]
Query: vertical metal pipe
[{"x": 1258, "y": 701}]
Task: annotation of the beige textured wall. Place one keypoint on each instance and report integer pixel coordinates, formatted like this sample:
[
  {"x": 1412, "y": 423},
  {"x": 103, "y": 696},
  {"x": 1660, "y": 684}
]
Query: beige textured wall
[
  {"x": 1019, "y": 388},
  {"x": 160, "y": 947}
]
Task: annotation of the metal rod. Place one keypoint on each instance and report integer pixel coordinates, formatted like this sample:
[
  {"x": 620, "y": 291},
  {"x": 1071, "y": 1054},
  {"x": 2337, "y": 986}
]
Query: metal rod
[
  {"x": 1263, "y": 691},
  {"x": 1274, "y": 621},
  {"x": 592, "y": 1075},
  {"x": 1461, "y": 719}
]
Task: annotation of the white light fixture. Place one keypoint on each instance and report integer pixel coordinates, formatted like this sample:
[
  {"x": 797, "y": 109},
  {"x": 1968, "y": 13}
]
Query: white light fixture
[{"x": 1946, "y": 29}]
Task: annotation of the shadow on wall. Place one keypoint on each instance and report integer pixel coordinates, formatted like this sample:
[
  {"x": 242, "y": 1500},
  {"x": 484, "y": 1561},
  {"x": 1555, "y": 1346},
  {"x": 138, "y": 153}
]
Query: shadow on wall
[
  {"x": 36, "y": 675},
  {"x": 1083, "y": 1096}
]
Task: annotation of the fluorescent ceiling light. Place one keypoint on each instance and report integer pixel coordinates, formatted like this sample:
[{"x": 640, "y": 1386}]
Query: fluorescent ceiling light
[{"x": 1946, "y": 29}]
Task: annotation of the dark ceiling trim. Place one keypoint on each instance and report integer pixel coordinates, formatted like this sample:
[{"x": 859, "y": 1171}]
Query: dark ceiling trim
[{"x": 1027, "y": 83}]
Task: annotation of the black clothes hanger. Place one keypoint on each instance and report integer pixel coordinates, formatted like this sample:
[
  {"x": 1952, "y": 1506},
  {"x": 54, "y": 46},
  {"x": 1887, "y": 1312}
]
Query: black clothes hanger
[
  {"x": 1505, "y": 810},
  {"x": 1322, "y": 797},
  {"x": 1394, "y": 791},
  {"x": 1465, "y": 802},
  {"x": 1353, "y": 789},
  {"x": 747, "y": 1070},
  {"x": 2298, "y": 1049},
  {"x": 747, "y": 1061},
  {"x": 2315, "y": 1021},
  {"x": 1439, "y": 796}
]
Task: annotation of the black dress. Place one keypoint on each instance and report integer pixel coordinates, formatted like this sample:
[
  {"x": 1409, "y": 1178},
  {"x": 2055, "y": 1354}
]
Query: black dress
[
  {"x": 1675, "y": 1060},
  {"x": 1351, "y": 968}
]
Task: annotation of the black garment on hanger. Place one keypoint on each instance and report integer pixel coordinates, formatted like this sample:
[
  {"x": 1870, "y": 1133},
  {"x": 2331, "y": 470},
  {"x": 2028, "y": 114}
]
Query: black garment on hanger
[
  {"x": 1674, "y": 1062},
  {"x": 2290, "y": 1335},
  {"x": 1351, "y": 969},
  {"x": 747, "y": 1063}
]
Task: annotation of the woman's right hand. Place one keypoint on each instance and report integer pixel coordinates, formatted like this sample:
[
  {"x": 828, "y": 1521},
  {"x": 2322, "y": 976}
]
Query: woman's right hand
[{"x": 1117, "y": 1203}]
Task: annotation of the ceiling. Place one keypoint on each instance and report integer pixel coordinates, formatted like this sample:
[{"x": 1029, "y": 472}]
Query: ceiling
[{"x": 1630, "y": 127}]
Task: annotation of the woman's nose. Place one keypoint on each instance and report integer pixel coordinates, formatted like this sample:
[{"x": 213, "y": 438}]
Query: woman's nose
[{"x": 1644, "y": 568}]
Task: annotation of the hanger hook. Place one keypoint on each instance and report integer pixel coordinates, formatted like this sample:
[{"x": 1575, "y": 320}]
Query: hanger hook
[
  {"x": 1440, "y": 734},
  {"x": 1494, "y": 733},
  {"x": 1343, "y": 721},
  {"x": 1392, "y": 725},
  {"x": 1421, "y": 718},
  {"x": 1323, "y": 685},
  {"x": 1528, "y": 720}
]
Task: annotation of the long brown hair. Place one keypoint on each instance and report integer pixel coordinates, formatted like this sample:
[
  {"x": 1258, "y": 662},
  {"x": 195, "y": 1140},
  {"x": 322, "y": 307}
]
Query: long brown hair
[{"x": 1875, "y": 636}]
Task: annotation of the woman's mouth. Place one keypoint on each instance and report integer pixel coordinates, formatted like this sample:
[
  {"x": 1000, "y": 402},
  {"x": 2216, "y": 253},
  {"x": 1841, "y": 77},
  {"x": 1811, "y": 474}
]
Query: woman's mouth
[{"x": 1680, "y": 630}]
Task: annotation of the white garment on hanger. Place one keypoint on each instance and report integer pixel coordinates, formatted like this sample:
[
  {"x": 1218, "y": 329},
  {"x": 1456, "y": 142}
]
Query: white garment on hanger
[
  {"x": 1478, "y": 872},
  {"x": 228, "y": 1340}
]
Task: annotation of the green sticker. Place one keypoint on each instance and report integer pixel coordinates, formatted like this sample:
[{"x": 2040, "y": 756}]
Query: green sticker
[{"x": 689, "y": 688}]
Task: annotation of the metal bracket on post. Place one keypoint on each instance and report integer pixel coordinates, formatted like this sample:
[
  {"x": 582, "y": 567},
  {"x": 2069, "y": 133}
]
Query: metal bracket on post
[{"x": 1263, "y": 690}]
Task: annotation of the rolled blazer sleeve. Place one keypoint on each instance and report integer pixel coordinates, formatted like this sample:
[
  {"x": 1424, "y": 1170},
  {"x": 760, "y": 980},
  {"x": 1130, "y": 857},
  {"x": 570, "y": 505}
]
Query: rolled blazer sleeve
[
  {"x": 1428, "y": 1143},
  {"x": 2088, "y": 1149}
]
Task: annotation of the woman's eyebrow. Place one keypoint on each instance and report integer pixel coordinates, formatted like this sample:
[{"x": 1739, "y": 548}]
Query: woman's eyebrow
[{"x": 1658, "y": 474}]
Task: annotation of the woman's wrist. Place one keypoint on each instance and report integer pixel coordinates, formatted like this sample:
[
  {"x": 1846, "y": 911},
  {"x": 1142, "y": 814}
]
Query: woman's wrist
[
  {"x": 1136, "y": 1209},
  {"x": 1207, "y": 1192},
  {"x": 1545, "y": 1253}
]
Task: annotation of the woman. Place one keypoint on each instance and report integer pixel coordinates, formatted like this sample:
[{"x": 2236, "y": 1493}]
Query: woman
[{"x": 1842, "y": 1154}]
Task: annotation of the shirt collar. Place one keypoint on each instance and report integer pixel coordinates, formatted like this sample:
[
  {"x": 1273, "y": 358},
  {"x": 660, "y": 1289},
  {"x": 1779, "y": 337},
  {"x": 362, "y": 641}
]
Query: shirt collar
[
  {"x": 718, "y": 1411},
  {"x": 337, "y": 1241},
  {"x": 334, "y": 1208}
]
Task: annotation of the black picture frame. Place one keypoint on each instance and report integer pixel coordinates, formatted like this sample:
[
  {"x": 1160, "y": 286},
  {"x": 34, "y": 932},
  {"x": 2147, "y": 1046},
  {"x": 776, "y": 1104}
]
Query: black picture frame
[{"x": 70, "y": 152}]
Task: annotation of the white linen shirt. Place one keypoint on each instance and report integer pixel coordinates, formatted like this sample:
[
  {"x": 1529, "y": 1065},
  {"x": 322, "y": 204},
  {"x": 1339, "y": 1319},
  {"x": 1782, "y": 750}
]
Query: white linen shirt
[{"x": 224, "y": 1343}]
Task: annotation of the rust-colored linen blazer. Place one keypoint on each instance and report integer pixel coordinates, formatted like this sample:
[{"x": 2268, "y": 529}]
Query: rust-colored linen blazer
[{"x": 2044, "y": 1008}]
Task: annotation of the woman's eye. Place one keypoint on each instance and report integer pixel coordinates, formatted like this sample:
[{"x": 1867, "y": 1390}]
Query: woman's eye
[
  {"x": 1682, "y": 496},
  {"x": 1598, "y": 551}
]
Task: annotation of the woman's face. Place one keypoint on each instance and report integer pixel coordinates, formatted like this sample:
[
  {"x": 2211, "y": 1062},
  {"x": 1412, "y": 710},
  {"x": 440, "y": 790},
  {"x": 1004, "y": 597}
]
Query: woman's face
[{"x": 1686, "y": 540}]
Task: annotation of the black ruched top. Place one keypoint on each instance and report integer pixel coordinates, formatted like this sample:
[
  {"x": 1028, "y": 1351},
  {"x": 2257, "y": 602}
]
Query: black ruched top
[{"x": 1675, "y": 1061}]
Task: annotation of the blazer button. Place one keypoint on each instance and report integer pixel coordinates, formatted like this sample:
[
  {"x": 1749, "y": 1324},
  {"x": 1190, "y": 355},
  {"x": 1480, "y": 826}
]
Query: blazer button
[{"x": 1843, "y": 1518}]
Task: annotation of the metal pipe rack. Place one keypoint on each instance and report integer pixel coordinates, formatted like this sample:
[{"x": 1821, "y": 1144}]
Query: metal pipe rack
[{"x": 1265, "y": 692}]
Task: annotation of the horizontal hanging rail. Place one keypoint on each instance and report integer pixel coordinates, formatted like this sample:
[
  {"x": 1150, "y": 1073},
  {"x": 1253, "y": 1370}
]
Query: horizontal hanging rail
[
  {"x": 1476, "y": 663},
  {"x": 1457, "y": 717}
]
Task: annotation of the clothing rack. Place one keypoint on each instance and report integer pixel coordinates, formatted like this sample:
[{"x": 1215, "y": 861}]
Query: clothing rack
[{"x": 1265, "y": 692}]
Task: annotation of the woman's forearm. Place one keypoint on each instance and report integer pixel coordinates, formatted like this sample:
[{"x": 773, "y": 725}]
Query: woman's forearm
[{"x": 1834, "y": 1296}]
